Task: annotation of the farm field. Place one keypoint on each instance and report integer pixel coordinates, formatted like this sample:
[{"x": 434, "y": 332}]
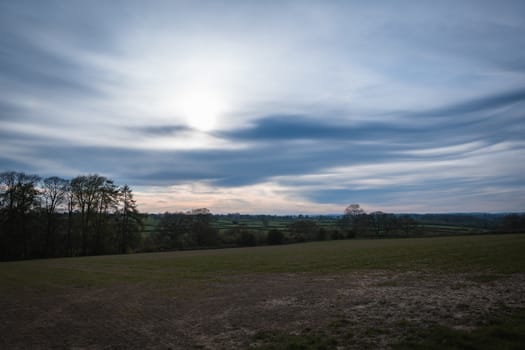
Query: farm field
[
  {"x": 256, "y": 223},
  {"x": 409, "y": 293},
  {"x": 263, "y": 223}
]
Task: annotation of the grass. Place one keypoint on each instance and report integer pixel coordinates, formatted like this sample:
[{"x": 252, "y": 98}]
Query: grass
[
  {"x": 282, "y": 341},
  {"x": 505, "y": 333},
  {"x": 488, "y": 255},
  {"x": 174, "y": 275}
]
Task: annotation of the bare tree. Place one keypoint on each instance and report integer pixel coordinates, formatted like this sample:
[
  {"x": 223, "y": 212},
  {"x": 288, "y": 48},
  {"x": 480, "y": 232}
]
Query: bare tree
[
  {"x": 353, "y": 210},
  {"x": 70, "y": 204},
  {"x": 101, "y": 217},
  {"x": 130, "y": 220},
  {"x": 54, "y": 190},
  {"x": 106, "y": 203},
  {"x": 18, "y": 195},
  {"x": 86, "y": 190},
  {"x": 350, "y": 216}
]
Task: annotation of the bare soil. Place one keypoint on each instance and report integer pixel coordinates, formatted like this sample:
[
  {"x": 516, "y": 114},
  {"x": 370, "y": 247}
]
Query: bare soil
[{"x": 372, "y": 308}]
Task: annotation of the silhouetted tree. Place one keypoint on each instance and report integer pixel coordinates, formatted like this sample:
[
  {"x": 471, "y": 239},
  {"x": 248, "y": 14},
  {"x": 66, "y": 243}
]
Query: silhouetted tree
[
  {"x": 321, "y": 234},
  {"x": 93, "y": 195},
  {"x": 177, "y": 231},
  {"x": 363, "y": 225},
  {"x": 54, "y": 190},
  {"x": 275, "y": 237},
  {"x": 247, "y": 239},
  {"x": 353, "y": 210},
  {"x": 203, "y": 234},
  {"x": 104, "y": 230},
  {"x": 130, "y": 220},
  {"x": 18, "y": 195},
  {"x": 407, "y": 225},
  {"x": 240, "y": 235},
  {"x": 47, "y": 218},
  {"x": 348, "y": 221},
  {"x": 513, "y": 223},
  {"x": 337, "y": 234},
  {"x": 303, "y": 230},
  {"x": 169, "y": 231},
  {"x": 70, "y": 205}
]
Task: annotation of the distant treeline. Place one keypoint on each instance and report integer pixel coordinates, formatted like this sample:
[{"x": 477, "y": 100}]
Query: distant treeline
[
  {"x": 52, "y": 217},
  {"x": 170, "y": 231},
  {"x": 90, "y": 215},
  {"x": 509, "y": 222}
]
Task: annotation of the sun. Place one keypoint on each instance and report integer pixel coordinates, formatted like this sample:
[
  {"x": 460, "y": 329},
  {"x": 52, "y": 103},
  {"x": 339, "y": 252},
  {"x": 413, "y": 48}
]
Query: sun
[{"x": 201, "y": 108}]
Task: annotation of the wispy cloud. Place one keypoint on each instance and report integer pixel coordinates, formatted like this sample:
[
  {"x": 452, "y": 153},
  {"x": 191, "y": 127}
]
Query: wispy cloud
[{"x": 321, "y": 104}]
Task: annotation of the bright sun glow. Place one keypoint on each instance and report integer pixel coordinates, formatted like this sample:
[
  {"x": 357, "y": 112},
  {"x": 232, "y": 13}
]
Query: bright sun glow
[{"x": 201, "y": 109}]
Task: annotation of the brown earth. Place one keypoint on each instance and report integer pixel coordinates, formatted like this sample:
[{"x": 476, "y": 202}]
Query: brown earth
[{"x": 372, "y": 309}]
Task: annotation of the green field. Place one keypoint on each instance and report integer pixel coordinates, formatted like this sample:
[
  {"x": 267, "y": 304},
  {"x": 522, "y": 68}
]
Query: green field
[
  {"x": 227, "y": 279},
  {"x": 260, "y": 225},
  {"x": 254, "y": 223},
  {"x": 481, "y": 254}
]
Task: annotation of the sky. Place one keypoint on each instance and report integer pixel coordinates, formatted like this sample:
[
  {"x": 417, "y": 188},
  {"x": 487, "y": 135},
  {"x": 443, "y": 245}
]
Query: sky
[{"x": 277, "y": 107}]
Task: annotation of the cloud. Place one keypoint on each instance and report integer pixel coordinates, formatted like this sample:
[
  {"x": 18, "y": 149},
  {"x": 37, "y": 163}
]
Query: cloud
[
  {"x": 161, "y": 130},
  {"x": 482, "y": 104},
  {"x": 320, "y": 103},
  {"x": 261, "y": 198}
]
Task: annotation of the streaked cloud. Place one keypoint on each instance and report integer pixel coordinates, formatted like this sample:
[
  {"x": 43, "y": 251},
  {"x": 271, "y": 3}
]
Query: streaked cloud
[{"x": 271, "y": 106}]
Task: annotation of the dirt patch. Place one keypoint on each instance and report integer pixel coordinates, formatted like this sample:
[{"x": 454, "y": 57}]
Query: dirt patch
[{"x": 370, "y": 307}]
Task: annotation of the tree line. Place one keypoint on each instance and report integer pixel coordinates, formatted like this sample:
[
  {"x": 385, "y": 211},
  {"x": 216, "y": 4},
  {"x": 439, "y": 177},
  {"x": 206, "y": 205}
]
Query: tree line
[
  {"x": 191, "y": 231},
  {"x": 54, "y": 217},
  {"x": 91, "y": 215}
]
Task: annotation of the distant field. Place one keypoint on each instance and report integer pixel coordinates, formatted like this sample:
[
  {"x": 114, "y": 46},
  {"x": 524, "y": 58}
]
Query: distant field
[
  {"x": 261, "y": 225},
  {"x": 350, "y": 293},
  {"x": 254, "y": 223}
]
